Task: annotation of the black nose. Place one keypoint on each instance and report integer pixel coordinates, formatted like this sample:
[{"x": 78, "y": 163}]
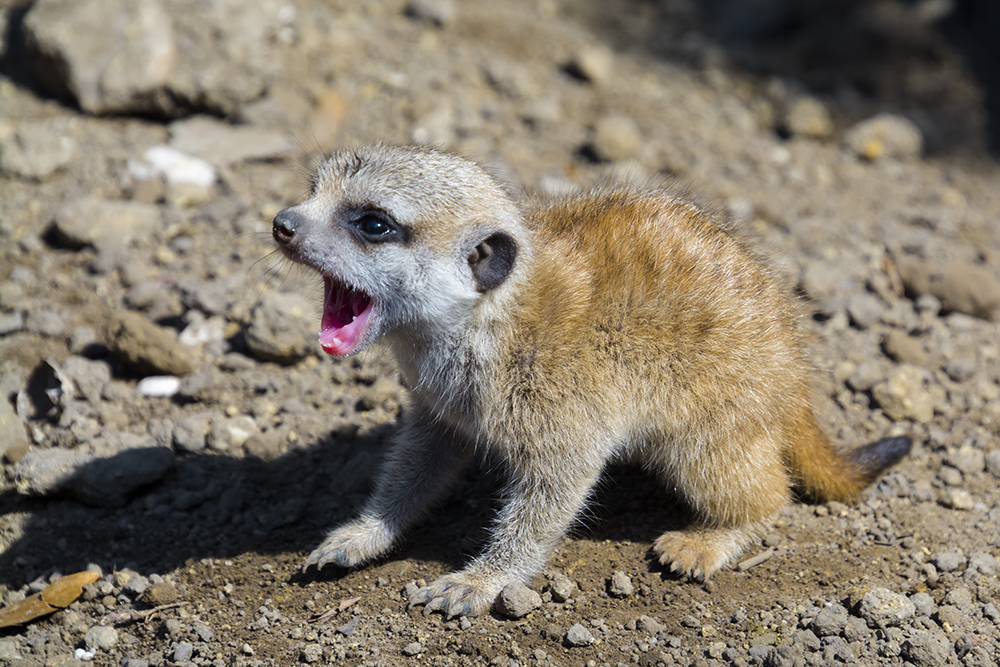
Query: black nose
[{"x": 284, "y": 226}]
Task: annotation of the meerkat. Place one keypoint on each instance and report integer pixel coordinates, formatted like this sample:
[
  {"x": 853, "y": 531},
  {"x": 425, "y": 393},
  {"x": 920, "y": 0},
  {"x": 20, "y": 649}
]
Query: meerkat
[{"x": 559, "y": 336}]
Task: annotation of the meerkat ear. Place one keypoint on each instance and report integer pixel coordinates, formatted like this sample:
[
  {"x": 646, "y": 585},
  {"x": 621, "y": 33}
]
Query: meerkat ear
[{"x": 491, "y": 260}]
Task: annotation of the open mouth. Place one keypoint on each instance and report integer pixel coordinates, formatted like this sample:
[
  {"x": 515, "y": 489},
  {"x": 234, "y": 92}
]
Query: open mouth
[{"x": 346, "y": 312}]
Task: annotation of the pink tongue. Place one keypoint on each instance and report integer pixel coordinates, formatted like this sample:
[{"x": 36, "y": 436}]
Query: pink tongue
[{"x": 345, "y": 314}]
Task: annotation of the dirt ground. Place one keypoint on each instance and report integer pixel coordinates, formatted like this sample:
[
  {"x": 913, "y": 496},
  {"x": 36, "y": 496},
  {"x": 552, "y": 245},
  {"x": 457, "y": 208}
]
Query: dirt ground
[{"x": 169, "y": 421}]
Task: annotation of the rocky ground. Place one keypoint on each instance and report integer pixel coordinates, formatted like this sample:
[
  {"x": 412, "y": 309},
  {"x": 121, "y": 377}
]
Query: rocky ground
[{"x": 169, "y": 421}]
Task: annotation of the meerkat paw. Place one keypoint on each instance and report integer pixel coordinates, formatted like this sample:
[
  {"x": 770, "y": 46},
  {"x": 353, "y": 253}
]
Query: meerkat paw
[
  {"x": 699, "y": 553},
  {"x": 456, "y": 594},
  {"x": 351, "y": 545}
]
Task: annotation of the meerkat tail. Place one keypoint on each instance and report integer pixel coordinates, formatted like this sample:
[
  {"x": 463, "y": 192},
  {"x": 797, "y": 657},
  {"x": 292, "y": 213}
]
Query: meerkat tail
[{"x": 822, "y": 472}]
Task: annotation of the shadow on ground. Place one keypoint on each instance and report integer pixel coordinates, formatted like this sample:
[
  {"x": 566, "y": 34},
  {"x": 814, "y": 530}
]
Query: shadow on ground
[
  {"x": 937, "y": 63},
  {"x": 216, "y": 506}
]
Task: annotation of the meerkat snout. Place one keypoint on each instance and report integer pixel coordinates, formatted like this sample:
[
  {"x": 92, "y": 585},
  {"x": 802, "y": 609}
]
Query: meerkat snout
[
  {"x": 284, "y": 225},
  {"x": 557, "y": 337}
]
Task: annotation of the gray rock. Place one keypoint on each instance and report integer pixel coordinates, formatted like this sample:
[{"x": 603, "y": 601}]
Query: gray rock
[
  {"x": 278, "y": 330},
  {"x": 880, "y": 606},
  {"x": 349, "y": 628},
  {"x": 11, "y": 322},
  {"x": 907, "y": 349},
  {"x": 855, "y": 630},
  {"x": 830, "y": 621},
  {"x": 110, "y": 56},
  {"x": 98, "y": 480},
  {"x": 45, "y": 322},
  {"x": 885, "y": 136},
  {"x": 189, "y": 433},
  {"x": 867, "y": 374},
  {"x": 146, "y": 348},
  {"x": 960, "y": 598},
  {"x": 43, "y": 472},
  {"x": 578, "y": 635},
  {"x": 224, "y": 145},
  {"x": 183, "y": 652},
  {"x": 959, "y": 286},
  {"x": 231, "y": 432},
  {"x": 413, "y": 648},
  {"x": 100, "y": 638},
  {"x": 865, "y": 310},
  {"x": 784, "y": 656},
  {"x": 923, "y": 603},
  {"x": 926, "y": 649},
  {"x": 136, "y": 585},
  {"x": 947, "y": 561},
  {"x": 517, "y": 600},
  {"x": 8, "y": 650},
  {"x": 38, "y": 149},
  {"x": 957, "y": 499},
  {"x": 87, "y": 375},
  {"x": 13, "y": 436},
  {"x": 107, "y": 482},
  {"x": 903, "y": 396},
  {"x": 984, "y": 563},
  {"x": 561, "y": 587},
  {"x": 808, "y": 117},
  {"x": 204, "y": 632},
  {"x": 312, "y": 653},
  {"x": 968, "y": 459},
  {"x": 961, "y": 368},
  {"x": 649, "y": 625},
  {"x": 616, "y": 137},
  {"x": 104, "y": 223},
  {"x": 620, "y": 585},
  {"x": 593, "y": 63},
  {"x": 993, "y": 463}
]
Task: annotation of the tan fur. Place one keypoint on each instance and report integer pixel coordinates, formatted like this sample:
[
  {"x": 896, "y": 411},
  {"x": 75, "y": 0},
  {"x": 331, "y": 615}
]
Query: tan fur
[{"x": 630, "y": 326}]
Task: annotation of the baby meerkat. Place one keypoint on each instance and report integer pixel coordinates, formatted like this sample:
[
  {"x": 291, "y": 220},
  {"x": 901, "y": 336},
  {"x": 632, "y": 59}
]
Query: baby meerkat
[{"x": 617, "y": 325}]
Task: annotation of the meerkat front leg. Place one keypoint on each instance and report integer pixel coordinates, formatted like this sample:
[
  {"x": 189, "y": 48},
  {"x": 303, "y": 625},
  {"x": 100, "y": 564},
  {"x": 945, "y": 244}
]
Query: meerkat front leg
[
  {"x": 543, "y": 499},
  {"x": 424, "y": 459}
]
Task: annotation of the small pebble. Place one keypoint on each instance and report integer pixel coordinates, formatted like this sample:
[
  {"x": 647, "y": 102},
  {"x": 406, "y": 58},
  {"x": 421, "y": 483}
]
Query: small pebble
[
  {"x": 885, "y": 136},
  {"x": 517, "y": 600},
  {"x": 100, "y": 638},
  {"x": 413, "y": 648},
  {"x": 957, "y": 499},
  {"x": 578, "y": 635},
  {"x": 880, "y": 606},
  {"x": 183, "y": 652},
  {"x": 620, "y": 585},
  {"x": 830, "y": 621},
  {"x": 159, "y": 386},
  {"x": 561, "y": 587}
]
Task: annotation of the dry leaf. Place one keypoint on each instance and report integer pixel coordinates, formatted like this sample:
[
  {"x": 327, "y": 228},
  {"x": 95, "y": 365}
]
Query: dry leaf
[
  {"x": 58, "y": 594},
  {"x": 26, "y": 610},
  {"x": 62, "y": 591}
]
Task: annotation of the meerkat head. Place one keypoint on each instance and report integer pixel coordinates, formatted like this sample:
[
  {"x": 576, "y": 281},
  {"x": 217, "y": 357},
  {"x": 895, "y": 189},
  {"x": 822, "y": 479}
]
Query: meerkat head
[{"x": 405, "y": 238}]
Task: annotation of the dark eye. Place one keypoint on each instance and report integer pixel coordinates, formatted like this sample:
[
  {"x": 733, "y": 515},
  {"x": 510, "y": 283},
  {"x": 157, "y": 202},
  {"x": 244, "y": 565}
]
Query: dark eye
[
  {"x": 376, "y": 226},
  {"x": 373, "y": 226}
]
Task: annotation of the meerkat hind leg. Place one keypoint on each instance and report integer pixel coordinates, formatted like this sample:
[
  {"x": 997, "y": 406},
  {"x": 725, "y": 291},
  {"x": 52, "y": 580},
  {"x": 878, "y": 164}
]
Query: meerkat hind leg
[{"x": 699, "y": 552}]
